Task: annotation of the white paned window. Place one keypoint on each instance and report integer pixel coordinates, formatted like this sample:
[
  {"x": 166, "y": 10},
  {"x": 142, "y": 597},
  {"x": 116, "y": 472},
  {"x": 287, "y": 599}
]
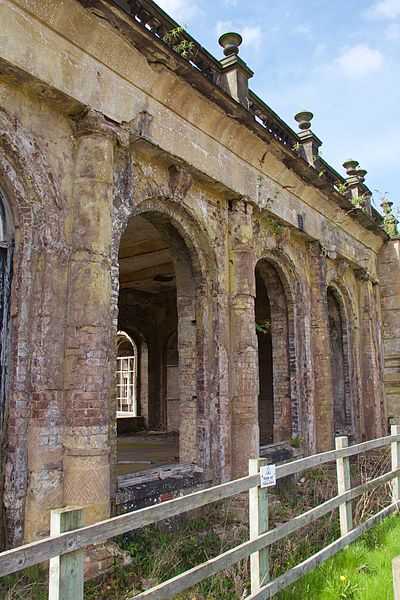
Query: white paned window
[{"x": 126, "y": 376}]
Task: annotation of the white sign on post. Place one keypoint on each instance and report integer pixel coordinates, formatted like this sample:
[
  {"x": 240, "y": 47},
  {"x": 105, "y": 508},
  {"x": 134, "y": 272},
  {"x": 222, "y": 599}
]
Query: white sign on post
[{"x": 267, "y": 476}]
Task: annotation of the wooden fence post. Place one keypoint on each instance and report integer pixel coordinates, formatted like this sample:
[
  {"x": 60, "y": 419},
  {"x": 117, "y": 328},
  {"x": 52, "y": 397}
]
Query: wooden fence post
[
  {"x": 396, "y": 569},
  {"x": 344, "y": 484},
  {"x": 395, "y": 430},
  {"x": 66, "y": 571},
  {"x": 258, "y": 523}
]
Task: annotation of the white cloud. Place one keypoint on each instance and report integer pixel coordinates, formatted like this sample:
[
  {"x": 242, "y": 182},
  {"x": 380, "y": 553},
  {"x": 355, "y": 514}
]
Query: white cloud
[
  {"x": 180, "y": 10},
  {"x": 231, "y": 2},
  {"x": 319, "y": 51},
  {"x": 392, "y": 32},
  {"x": 302, "y": 29},
  {"x": 359, "y": 61},
  {"x": 384, "y": 9},
  {"x": 252, "y": 34},
  {"x": 223, "y": 27}
]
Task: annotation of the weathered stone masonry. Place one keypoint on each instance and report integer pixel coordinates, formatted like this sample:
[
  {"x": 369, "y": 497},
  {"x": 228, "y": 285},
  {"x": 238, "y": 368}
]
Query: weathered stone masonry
[{"x": 139, "y": 193}]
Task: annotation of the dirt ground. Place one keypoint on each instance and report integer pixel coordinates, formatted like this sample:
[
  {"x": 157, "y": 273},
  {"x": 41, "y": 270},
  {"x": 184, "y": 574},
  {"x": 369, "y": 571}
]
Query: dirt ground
[{"x": 141, "y": 451}]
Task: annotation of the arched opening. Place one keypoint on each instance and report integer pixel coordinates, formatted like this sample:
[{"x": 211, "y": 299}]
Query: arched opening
[
  {"x": 158, "y": 300},
  {"x": 6, "y": 251},
  {"x": 338, "y": 363},
  {"x": 6, "y": 247},
  {"x": 272, "y": 326}
]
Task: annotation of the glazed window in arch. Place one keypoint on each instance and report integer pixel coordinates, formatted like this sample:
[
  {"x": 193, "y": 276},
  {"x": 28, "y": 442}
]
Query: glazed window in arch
[
  {"x": 127, "y": 404},
  {"x": 6, "y": 249}
]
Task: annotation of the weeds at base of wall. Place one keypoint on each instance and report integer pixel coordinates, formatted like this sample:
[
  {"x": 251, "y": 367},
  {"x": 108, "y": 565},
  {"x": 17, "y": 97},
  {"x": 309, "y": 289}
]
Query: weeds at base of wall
[
  {"x": 159, "y": 553},
  {"x": 25, "y": 585}
]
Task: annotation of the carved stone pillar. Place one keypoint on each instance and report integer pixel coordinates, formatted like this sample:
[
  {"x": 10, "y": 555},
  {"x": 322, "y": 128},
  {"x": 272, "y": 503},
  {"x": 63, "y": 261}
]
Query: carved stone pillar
[
  {"x": 89, "y": 336},
  {"x": 389, "y": 277},
  {"x": 244, "y": 353},
  {"x": 371, "y": 369},
  {"x": 188, "y": 379},
  {"x": 44, "y": 432},
  {"x": 320, "y": 347}
]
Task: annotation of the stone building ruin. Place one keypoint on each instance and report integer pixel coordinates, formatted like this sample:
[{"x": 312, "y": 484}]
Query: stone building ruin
[{"x": 174, "y": 258}]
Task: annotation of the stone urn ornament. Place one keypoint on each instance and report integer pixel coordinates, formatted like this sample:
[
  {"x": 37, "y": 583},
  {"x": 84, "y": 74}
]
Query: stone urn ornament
[
  {"x": 304, "y": 118},
  {"x": 230, "y": 42}
]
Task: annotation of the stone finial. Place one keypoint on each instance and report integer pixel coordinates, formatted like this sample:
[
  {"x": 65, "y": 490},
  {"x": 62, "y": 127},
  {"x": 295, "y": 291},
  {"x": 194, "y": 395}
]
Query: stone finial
[
  {"x": 235, "y": 73},
  {"x": 309, "y": 141},
  {"x": 390, "y": 225},
  {"x": 230, "y": 42},
  {"x": 351, "y": 167},
  {"x": 360, "y": 174},
  {"x": 304, "y": 118},
  {"x": 389, "y": 220},
  {"x": 386, "y": 206},
  {"x": 357, "y": 193}
]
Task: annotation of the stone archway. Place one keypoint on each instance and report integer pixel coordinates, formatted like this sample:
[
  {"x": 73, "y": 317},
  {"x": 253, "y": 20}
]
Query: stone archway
[
  {"x": 6, "y": 254},
  {"x": 34, "y": 386},
  {"x": 273, "y": 333},
  {"x": 162, "y": 278},
  {"x": 341, "y": 364}
]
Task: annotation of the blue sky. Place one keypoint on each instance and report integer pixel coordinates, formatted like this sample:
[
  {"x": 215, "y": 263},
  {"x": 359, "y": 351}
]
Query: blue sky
[{"x": 340, "y": 59}]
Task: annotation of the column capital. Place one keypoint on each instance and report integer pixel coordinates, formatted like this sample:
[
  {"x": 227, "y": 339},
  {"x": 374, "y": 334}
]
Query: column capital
[
  {"x": 362, "y": 274},
  {"x": 243, "y": 204},
  {"x": 322, "y": 251},
  {"x": 342, "y": 264},
  {"x": 93, "y": 123},
  {"x": 180, "y": 181},
  {"x": 337, "y": 270}
]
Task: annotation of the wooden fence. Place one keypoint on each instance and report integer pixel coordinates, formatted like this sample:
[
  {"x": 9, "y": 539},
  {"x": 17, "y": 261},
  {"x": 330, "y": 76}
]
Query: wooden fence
[{"x": 64, "y": 548}]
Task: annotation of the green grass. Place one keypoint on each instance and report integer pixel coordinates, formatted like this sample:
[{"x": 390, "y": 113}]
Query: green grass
[{"x": 361, "y": 572}]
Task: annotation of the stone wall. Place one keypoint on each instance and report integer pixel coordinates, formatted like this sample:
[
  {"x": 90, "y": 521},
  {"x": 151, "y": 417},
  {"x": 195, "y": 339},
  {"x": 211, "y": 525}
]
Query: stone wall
[{"x": 83, "y": 152}]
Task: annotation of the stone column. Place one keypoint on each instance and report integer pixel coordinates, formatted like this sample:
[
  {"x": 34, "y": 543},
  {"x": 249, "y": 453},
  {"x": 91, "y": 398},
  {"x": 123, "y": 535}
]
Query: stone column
[
  {"x": 389, "y": 277},
  {"x": 371, "y": 379},
  {"x": 188, "y": 388},
  {"x": 188, "y": 313},
  {"x": 44, "y": 432},
  {"x": 89, "y": 354},
  {"x": 320, "y": 348},
  {"x": 243, "y": 340}
]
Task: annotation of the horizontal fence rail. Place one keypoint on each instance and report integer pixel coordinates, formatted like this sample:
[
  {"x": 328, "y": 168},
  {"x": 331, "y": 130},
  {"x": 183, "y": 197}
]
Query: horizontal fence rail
[
  {"x": 317, "y": 559},
  {"x": 185, "y": 580},
  {"x": 63, "y": 548}
]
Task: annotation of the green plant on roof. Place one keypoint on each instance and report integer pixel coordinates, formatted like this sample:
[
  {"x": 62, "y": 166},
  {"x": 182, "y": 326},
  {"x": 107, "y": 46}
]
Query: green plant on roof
[{"x": 174, "y": 38}]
